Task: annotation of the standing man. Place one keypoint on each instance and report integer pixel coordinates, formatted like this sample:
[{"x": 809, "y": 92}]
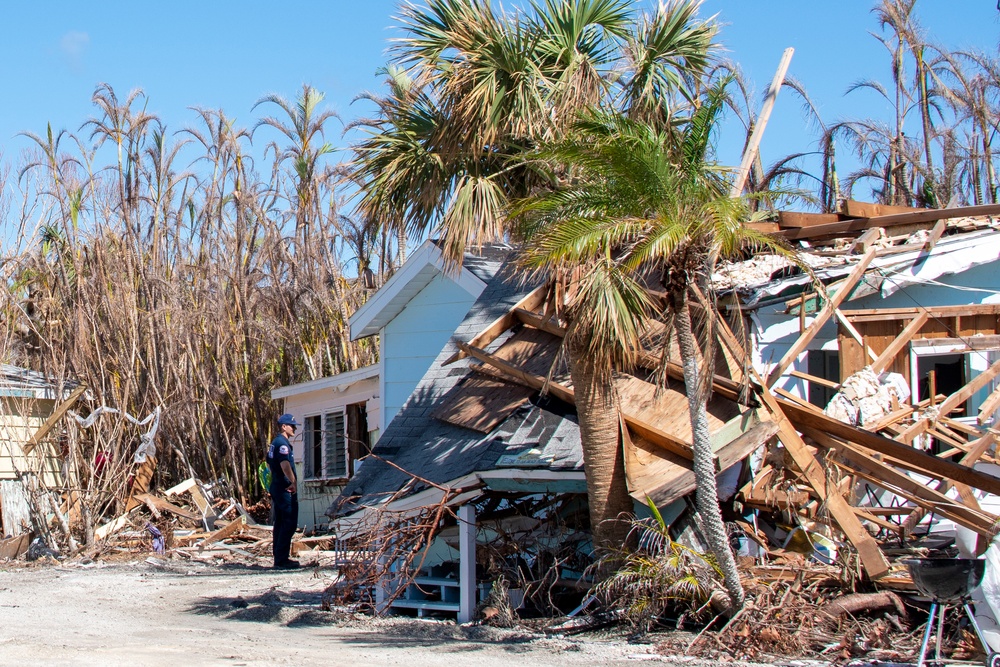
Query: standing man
[{"x": 284, "y": 500}]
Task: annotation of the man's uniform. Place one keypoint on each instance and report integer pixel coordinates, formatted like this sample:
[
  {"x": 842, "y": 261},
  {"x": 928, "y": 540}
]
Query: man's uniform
[{"x": 285, "y": 504}]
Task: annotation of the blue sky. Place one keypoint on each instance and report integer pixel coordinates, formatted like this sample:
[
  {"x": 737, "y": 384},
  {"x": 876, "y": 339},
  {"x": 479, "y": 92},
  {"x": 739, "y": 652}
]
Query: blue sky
[{"x": 228, "y": 54}]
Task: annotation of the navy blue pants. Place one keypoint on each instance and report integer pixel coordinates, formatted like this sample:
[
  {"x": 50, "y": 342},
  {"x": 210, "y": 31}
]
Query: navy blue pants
[{"x": 286, "y": 516}]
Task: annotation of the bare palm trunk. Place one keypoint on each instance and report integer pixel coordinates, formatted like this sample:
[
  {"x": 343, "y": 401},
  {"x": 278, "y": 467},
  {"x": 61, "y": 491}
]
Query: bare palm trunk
[
  {"x": 603, "y": 457},
  {"x": 706, "y": 492}
]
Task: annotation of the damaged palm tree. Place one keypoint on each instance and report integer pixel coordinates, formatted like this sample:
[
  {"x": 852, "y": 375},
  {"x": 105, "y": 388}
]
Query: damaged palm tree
[{"x": 644, "y": 204}]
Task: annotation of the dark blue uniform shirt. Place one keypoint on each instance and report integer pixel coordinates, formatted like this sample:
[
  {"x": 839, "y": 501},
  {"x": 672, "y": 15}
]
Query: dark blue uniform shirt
[{"x": 280, "y": 450}]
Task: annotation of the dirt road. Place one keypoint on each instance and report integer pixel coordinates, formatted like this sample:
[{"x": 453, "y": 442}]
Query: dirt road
[{"x": 177, "y": 613}]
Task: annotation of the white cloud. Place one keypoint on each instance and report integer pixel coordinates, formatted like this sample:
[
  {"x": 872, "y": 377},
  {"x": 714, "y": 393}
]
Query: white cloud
[{"x": 73, "y": 46}]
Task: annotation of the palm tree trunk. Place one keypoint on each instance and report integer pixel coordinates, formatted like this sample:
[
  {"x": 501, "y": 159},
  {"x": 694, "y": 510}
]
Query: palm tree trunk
[
  {"x": 706, "y": 492},
  {"x": 603, "y": 457}
]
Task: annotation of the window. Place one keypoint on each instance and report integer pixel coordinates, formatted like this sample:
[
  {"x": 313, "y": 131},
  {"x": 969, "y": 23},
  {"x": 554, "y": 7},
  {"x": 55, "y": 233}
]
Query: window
[
  {"x": 325, "y": 444},
  {"x": 823, "y": 364}
]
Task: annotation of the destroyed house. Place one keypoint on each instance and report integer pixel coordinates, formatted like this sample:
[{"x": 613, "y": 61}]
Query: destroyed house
[
  {"x": 875, "y": 369},
  {"x": 478, "y": 435},
  {"x": 27, "y": 401}
]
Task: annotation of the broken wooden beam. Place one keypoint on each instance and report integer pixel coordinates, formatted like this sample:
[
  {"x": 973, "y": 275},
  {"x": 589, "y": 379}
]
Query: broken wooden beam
[
  {"x": 496, "y": 328},
  {"x": 799, "y": 346},
  {"x": 913, "y": 459},
  {"x": 53, "y": 419},
  {"x": 888, "y": 355},
  {"x": 872, "y": 558},
  {"x": 227, "y": 531}
]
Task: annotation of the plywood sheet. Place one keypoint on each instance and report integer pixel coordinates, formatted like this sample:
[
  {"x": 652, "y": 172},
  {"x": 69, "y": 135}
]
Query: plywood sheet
[
  {"x": 668, "y": 409},
  {"x": 14, "y": 504},
  {"x": 480, "y": 403}
]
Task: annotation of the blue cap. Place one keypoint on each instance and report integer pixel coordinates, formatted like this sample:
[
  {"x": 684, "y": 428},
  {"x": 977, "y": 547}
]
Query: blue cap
[{"x": 288, "y": 419}]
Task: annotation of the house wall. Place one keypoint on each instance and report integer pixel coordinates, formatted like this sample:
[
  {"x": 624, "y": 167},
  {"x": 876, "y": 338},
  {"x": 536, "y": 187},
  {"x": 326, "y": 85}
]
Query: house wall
[
  {"x": 19, "y": 419},
  {"x": 415, "y": 337},
  {"x": 316, "y": 496},
  {"x": 775, "y": 332}
]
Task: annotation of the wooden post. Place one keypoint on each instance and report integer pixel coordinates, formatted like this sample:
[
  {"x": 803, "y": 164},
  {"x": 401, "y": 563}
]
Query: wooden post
[
  {"x": 466, "y": 562},
  {"x": 758, "y": 131}
]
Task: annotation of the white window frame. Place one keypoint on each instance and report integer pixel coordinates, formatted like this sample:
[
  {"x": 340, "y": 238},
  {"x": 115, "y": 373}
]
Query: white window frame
[{"x": 323, "y": 474}]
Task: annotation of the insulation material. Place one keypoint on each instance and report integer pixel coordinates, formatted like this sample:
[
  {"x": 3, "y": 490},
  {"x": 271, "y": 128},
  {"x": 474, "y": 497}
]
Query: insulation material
[{"x": 864, "y": 397}]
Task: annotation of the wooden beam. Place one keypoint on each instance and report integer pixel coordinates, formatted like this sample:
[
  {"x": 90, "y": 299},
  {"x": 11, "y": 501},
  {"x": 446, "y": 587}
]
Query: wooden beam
[
  {"x": 750, "y": 154},
  {"x": 53, "y": 419},
  {"x": 860, "y": 316},
  {"x": 530, "y": 302},
  {"x": 888, "y": 355},
  {"x": 863, "y": 209},
  {"x": 914, "y": 459},
  {"x": 891, "y": 479},
  {"x": 966, "y": 392},
  {"x": 849, "y": 328},
  {"x": 935, "y": 235},
  {"x": 227, "y": 531},
  {"x": 795, "y": 219},
  {"x": 861, "y": 224},
  {"x": 865, "y": 241},
  {"x": 812, "y": 379},
  {"x": 975, "y": 451},
  {"x": 989, "y": 406},
  {"x": 821, "y": 318},
  {"x": 159, "y": 503}
]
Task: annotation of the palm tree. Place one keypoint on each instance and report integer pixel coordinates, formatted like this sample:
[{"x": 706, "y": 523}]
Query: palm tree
[
  {"x": 485, "y": 86},
  {"x": 646, "y": 205},
  {"x": 304, "y": 130}
]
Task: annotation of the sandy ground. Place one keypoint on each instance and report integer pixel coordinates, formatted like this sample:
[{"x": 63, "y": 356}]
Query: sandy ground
[{"x": 182, "y": 613}]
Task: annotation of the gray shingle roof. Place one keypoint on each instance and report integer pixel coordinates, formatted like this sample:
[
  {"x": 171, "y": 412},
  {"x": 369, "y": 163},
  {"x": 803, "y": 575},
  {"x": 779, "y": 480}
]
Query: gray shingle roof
[{"x": 440, "y": 452}]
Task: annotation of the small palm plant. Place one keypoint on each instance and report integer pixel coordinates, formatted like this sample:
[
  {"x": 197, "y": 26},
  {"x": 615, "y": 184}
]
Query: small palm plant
[{"x": 658, "y": 576}]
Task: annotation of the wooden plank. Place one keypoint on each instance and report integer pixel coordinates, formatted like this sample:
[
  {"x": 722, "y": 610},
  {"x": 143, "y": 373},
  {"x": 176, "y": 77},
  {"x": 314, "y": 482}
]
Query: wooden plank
[
  {"x": 865, "y": 241},
  {"x": 861, "y": 209},
  {"x": 228, "y": 531},
  {"x": 140, "y": 485},
  {"x": 14, "y": 502},
  {"x": 793, "y": 219},
  {"x": 111, "y": 527},
  {"x": 976, "y": 449},
  {"x": 935, "y": 235},
  {"x": 859, "y": 316},
  {"x": 899, "y": 342},
  {"x": 853, "y": 333},
  {"x": 885, "y": 476},
  {"x": 988, "y": 407},
  {"x": 165, "y": 506},
  {"x": 181, "y": 488},
  {"x": 53, "y": 419},
  {"x": 530, "y": 302},
  {"x": 896, "y": 219},
  {"x": 913, "y": 459},
  {"x": 13, "y": 547},
  {"x": 846, "y": 287},
  {"x": 812, "y": 379},
  {"x": 208, "y": 515}
]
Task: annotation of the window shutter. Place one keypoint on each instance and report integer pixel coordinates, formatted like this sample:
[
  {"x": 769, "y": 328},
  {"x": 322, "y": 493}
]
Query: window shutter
[{"x": 335, "y": 454}]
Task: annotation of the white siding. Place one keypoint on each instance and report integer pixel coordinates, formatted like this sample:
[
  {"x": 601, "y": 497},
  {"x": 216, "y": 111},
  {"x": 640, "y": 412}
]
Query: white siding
[{"x": 415, "y": 337}]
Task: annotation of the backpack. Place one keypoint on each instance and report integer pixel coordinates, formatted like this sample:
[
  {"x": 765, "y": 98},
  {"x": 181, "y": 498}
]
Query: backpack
[{"x": 264, "y": 475}]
